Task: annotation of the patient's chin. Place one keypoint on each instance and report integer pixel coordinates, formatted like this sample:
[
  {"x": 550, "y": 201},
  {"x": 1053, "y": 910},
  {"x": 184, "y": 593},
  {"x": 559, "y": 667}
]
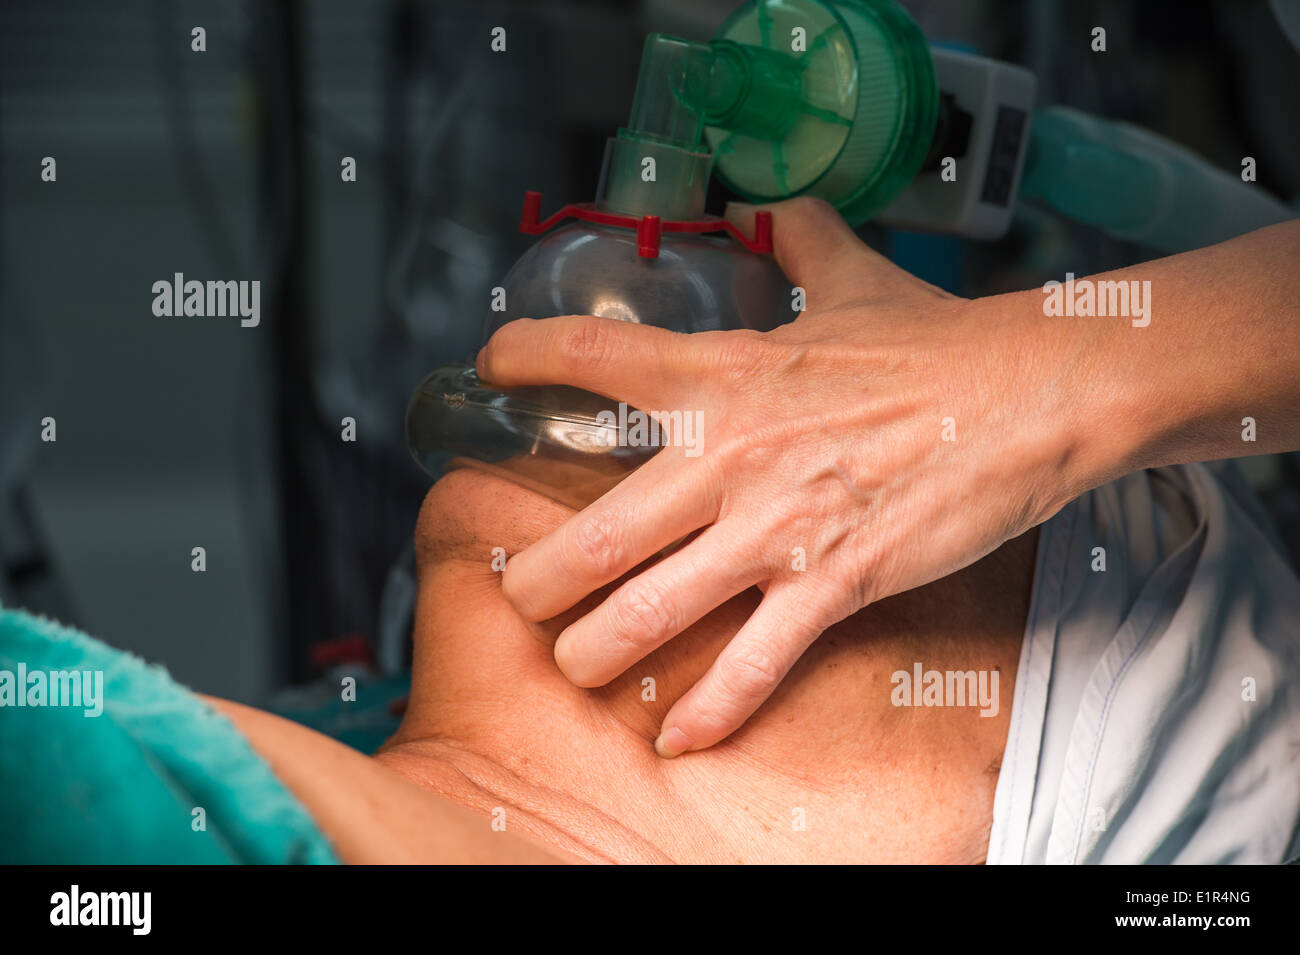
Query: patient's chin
[{"x": 471, "y": 512}]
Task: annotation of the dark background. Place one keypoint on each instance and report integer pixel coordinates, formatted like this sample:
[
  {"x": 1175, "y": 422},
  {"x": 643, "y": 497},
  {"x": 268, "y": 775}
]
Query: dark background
[{"x": 174, "y": 433}]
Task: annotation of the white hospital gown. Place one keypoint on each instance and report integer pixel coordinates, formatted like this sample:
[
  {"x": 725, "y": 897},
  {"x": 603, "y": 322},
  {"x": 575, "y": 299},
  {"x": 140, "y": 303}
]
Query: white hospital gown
[{"x": 1156, "y": 716}]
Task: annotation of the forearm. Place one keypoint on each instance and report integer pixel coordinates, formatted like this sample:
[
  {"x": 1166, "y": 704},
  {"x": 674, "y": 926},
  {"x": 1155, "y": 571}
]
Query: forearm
[{"x": 1218, "y": 343}]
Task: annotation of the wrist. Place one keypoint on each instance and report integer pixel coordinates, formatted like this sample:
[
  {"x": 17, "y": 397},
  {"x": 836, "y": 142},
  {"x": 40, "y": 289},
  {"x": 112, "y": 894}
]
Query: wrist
[{"x": 1090, "y": 425}]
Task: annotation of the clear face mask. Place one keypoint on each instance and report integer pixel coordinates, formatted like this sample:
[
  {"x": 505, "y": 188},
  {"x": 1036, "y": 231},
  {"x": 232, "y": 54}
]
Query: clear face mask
[
  {"x": 570, "y": 444},
  {"x": 776, "y": 106}
]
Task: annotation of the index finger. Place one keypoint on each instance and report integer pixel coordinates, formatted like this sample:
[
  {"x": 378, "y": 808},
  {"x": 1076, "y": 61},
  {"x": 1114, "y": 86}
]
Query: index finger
[
  {"x": 640, "y": 364},
  {"x": 654, "y": 506}
]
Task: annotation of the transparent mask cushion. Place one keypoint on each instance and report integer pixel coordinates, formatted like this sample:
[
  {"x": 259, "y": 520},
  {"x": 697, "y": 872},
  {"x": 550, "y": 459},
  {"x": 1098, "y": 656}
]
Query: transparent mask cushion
[{"x": 568, "y": 444}]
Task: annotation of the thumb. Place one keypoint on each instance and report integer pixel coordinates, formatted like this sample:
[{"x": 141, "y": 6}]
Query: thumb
[{"x": 810, "y": 240}]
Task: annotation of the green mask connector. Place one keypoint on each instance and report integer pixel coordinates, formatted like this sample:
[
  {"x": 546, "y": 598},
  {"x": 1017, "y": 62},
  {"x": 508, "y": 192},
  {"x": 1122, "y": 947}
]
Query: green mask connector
[{"x": 832, "y": 98}]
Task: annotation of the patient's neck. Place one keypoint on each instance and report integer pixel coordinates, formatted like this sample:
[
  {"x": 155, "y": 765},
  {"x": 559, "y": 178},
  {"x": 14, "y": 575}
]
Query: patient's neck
[{"x": 829, "y": 770}]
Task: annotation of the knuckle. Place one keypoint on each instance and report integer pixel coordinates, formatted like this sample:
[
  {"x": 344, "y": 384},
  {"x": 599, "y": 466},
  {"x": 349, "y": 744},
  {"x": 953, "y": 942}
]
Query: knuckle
[
  {"x": 641, "y": 614},
  {"x": 750, "y": 673},
  {"x": 586, "y": 343},
  {"x": 759, "y": 450},
  {"x": 740, "y": 356},
  {"x": 712, "y": 717},
  {"x": 594, "y": 542}
]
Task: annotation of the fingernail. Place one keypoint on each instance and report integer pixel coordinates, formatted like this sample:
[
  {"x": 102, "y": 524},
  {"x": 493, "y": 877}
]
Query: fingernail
[{"x": 672, "y": 742}]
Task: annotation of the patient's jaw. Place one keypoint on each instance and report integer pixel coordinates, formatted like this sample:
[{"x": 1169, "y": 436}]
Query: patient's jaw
[{"x": 828, "y": 770}]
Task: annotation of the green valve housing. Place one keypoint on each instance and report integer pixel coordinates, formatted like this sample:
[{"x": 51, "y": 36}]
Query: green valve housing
[{"x": 831, "y": 98}]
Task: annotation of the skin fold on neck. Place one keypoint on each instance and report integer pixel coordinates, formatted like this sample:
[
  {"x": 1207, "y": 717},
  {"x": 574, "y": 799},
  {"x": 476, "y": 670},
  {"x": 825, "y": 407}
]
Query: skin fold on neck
[{"x": 829, "y": 770}]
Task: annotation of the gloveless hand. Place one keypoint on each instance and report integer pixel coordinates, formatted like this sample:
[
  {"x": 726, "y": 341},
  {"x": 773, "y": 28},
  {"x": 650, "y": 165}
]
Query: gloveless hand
[{"x": 889, "y": 436}]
